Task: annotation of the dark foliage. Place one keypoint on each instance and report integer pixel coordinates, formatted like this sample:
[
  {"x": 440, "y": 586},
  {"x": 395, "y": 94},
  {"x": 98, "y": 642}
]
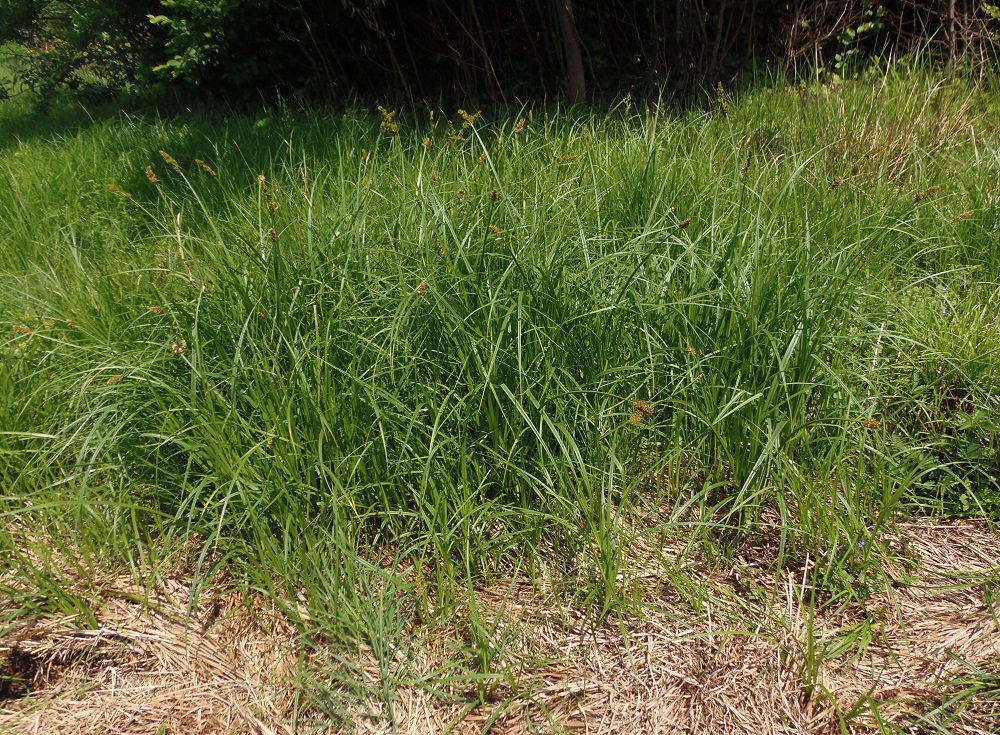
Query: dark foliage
[{"x": 465, "y": 49}]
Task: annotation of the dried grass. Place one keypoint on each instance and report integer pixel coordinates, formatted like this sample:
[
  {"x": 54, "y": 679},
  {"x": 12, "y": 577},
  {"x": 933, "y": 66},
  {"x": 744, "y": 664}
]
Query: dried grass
[
  {"x": 674, "y": 672},
  {"x": 145, "y": 670}
]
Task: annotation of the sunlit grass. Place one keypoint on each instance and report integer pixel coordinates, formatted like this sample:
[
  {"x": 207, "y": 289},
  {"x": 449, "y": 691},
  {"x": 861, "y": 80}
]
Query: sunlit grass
[{"x": 318, "y": 350}]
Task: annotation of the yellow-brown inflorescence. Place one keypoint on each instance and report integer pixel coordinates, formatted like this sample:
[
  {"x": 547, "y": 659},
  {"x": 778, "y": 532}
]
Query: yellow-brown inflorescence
[
  {"x": 643, "y": 410},
  {"x": 468, "y": 120},
  {"x": 151, "y": 176},
  {"x": 205, "y": 167},
  {"x": 724, "y": 101},
  {"x": 387, "y": 125},
  {"x": 170, "y": 161},
  {"x": 118, "y": 191}
]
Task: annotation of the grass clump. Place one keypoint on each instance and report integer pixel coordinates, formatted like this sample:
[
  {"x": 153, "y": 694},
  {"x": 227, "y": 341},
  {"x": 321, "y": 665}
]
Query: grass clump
[{"x": 367, "y": 373}]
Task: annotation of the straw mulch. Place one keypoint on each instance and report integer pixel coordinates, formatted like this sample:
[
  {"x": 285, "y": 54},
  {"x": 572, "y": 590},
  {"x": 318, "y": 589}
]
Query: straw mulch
[{"x": 737, "y": 665}]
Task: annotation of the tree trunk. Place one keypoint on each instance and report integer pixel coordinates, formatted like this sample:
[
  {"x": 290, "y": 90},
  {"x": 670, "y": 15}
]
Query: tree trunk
[
  {"x": 952, "y": 37},
  {"x": 576, "y": 82}
]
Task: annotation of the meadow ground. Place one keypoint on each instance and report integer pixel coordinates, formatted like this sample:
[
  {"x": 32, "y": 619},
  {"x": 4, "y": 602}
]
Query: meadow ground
[{"x": 625, "y": 421}]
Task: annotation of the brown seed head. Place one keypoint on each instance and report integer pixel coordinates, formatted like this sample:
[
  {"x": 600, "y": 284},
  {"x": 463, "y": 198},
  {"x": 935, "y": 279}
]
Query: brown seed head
[
  {"x": 205, "y": 167},
  {"x": 170, "y": 161},
  {"x": 118, "y": 191}
]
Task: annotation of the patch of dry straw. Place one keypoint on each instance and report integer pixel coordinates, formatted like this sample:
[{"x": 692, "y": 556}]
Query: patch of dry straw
[{"x": 146, "y": 670}]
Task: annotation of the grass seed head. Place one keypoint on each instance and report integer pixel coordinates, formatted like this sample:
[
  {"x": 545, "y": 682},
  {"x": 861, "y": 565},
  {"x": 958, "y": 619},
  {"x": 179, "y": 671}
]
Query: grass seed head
[
  {"x": 205, "y": 167},
  {"x": 926, "y": 193},
  {"x": 171, "y": 161},
  {"x": 118, "y": 191},
  {"x": 387, "y": 123}
]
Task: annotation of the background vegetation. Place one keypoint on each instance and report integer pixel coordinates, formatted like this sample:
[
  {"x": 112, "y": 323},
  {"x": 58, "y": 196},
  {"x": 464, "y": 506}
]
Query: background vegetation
[
  {"x": 307, "y": 345},
  {"x": 366, "y": 360},
  {"x": 463, "y": 51}
]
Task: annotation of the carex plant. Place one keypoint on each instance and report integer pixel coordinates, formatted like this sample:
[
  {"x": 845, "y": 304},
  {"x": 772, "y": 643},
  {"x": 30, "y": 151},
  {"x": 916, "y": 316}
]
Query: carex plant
[{"x": 326, "y": 351}]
